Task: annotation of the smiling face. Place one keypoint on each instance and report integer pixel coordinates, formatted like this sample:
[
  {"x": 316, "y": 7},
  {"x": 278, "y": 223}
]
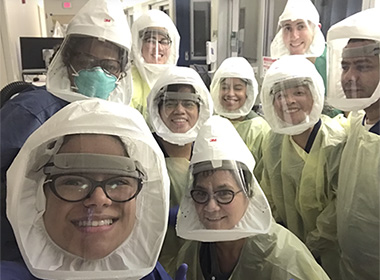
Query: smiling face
[
  {"x": 297, "y": 35},
  {"x": 179, "y": 115},
  {"x": 214, "y": 215},
  {"x": 232, "y": 93},
  {"x": 156, "y": 46},
  {"x": 96, "y": 226},
  {"x": 360, "y": 74},
  {"x": 293, "y": 105}
]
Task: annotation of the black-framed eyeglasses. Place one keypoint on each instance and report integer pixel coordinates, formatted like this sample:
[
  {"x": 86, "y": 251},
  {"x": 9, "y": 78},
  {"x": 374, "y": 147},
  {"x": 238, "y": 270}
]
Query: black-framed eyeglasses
[
  {"x": 83, "y": 60},
  {"x": 222, "y": 196},
  {"x": 74, "y": 188},
  {"x": 166, "y": 42}
]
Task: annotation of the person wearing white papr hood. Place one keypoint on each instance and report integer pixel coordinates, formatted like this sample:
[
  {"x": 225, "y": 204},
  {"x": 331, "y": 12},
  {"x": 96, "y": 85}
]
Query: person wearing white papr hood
[
  {"x": 155, "y": 47},
  {"x": 234, "y": 91},
  {"x": 88, "y": 196},
  {"x": 300, "y": 34},
  {"x": 227, "y": 215},
  {"x": 301, "y": 157},
  {"x": 92, "y": 62},
  {"x": 354, "y": 85},
  {"x": 178, "y": 105}
]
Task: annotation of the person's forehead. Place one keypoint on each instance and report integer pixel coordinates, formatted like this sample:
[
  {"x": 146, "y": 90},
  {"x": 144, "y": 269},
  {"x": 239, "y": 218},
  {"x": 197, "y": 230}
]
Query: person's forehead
[
  {"x": 156, "y": 31},
  {"x": 94, "y": 43},
  {"x": 92, "y": 143},
  {"x": 293, "y": 22},
  {"x": 233, "y": 81},
  {"x": 361, "y": 59},
  {"x": 358, "y": 56},
  {"x": 214, "y": 174}
]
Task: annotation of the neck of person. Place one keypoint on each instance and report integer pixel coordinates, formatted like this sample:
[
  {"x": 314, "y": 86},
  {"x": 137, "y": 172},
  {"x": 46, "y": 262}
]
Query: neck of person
[
  {"x": 174, "y": 150},
  {"x": 301, "y": 139},
  {"x": 239, "y": 119},
  {"x": 228, "y": 253},
  {"x": 312, "y": 59},
  {"x": 373, "y": 113}
]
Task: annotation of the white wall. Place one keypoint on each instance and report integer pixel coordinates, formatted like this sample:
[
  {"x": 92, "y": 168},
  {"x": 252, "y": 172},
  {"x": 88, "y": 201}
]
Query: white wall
[
  {"x": 17, "y": 20},
  {"x": 55, "y": 11}
]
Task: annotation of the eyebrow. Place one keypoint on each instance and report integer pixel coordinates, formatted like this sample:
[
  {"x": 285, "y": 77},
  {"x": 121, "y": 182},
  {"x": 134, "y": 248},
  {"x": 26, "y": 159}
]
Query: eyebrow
[
  {"x": 357, "y": 61},
  {"x": 220, "y": 187}
]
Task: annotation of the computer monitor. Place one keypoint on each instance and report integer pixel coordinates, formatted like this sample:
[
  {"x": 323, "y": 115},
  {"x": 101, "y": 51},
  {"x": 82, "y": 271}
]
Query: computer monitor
[{"x": 36, "y": 53}]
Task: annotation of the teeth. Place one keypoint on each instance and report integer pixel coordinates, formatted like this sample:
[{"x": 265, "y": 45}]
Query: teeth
[
  {"x": 179, "y": 120},
  {"x": 106, "y": 222},
  {"x": 291, "y": 110},
  {"x": 213, "y": 219}
]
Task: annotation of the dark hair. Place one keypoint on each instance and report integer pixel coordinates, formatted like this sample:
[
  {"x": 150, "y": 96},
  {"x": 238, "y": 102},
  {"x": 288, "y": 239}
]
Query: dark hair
[
  {"x": 177, "y": 87},
  {"x": 355, "y": 40}
]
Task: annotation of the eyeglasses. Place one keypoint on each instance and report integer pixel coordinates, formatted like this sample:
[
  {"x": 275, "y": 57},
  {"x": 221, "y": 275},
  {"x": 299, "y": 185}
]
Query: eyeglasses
[
  {"x": 171, "y": 104},
  {"x": 166, "y": 42},
  {"x": 74, "y": 188},
  {"x": 222, "y": 196},
  {"x": 86, "y": 61}
]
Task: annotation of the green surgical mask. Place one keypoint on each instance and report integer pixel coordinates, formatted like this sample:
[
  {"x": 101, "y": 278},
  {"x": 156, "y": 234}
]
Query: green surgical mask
[{"x": 95, "y": 82}]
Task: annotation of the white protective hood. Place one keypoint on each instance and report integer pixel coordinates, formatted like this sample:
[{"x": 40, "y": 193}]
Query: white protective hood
[
  {"x": 286, "y": 68},
  {"x": 299, "y": 9},
  {"x": 362, "y": 25},
  {"x": 179, "y": 75},
  {"x": 153, "y": 18},
  {"x": 219, "y": 140},
  {"x": 103, "y": 19},
  {"x": 234, "y": 67},
  {"x": 134, "y": 258}
]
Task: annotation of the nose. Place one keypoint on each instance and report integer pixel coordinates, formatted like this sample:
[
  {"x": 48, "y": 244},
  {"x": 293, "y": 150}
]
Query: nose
[
  {"x": 289, "y": 98},
  {"x": 97, "y": 199},
  {"x": 294, "y": 33},
  {"x": 212, "y": 205},
  {"x": 350, "y": 75},
  {"x": 179, "y": 109},
  {"x": 230, "y": 91},
  {"x": 159, "y": 46}
]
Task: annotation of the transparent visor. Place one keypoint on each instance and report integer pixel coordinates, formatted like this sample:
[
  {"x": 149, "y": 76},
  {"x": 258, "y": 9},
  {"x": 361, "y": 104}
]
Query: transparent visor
[
  {"x": 292, "y": 100},
  {"x": 218, "y": 184},
  {"x": 155, "y": 45},
  {"x": 179, "y": 107},
  {"x": 86, "y": 52},
  {"x": 232, "y": 93},
  {"x": 353, "y": 73},
  {"x": 89, "y": 184},
  {"x": 297, "y": 35}
]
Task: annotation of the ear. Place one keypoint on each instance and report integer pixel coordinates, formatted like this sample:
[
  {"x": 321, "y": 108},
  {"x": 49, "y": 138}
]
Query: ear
[{"x": 319, "y": 25}]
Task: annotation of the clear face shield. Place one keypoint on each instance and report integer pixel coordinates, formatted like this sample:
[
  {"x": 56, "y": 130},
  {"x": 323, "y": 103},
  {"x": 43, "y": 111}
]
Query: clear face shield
[
  {"x": 96, "y": 189},
  {"x": 353, "y": 73},
  {"x": 95, "y": 66},
  {"x": 232, "y": 93},
  {"x": 219, "y": 192},
  {"x": 179, "y": 107},
  {"x": 155, "y": 45},
  {"x": 222, "y": 202},
  {"x": 293, "y": 100},
  {"x": 297, "y": 35}
]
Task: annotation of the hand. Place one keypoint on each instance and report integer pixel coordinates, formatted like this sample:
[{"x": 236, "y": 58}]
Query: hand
[{"x": 181, "y": 272}]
